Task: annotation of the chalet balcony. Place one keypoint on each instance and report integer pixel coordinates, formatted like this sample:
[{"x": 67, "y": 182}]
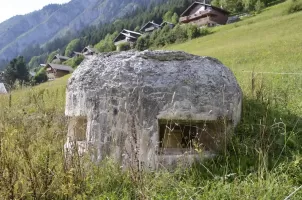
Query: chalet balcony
[{"x": 202, "y": 14}]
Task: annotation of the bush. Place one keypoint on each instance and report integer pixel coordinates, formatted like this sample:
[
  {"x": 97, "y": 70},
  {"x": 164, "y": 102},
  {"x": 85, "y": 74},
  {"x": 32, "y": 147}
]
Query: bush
[
  {"x": 75, "y": 61},
  {"x": 124, "y": 47},
  {"x": 204, "y": 31},
  {"x": 192, "y": 31},
  {"x": 40, "y": 77},
  {"x": 259, "y": 6},
  {"x": 295, "y": 6},
  {"x": 142, "y": 43},
  {"x": 180, "y": 33},
  {"x": 107, "y": 45}
]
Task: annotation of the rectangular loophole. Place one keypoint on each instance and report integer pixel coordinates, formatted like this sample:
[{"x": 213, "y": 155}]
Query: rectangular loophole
[{"x": 176, "y": 137}]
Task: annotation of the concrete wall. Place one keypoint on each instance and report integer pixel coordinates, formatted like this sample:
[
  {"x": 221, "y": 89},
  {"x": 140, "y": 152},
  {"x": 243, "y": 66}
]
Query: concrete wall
[{"x": 128, "y": 97}]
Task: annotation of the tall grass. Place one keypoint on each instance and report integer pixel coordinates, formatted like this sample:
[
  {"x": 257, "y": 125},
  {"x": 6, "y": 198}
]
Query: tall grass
[{"x": 262, "y": 160}]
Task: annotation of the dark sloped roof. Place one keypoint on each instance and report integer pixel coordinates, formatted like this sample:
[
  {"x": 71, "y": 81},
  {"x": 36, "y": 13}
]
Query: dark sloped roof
[
  {"x": 165, "y": 22},
  {"x": 150, "y": 23},
  {"x": 60, "y": 67},
  {"x": 125, "y": 31},
  {"x": 131, "y": 32},
  {"x": 61, "y": 57},
  {"x": 199, "y": 3},
  {"x": 89, "y": 48}
]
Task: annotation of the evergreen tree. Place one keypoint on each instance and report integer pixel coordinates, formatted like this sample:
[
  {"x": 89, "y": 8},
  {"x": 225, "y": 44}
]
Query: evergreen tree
[
  {"x": 168, "y": 16},
  {"x": 74, "y": 45},
  {"x": 16, "y": 70},
  {"x": 175, "y": 18}
]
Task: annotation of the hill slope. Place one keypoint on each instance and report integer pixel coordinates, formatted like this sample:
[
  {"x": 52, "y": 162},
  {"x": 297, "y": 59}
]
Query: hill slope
[
  {"x": 55, "y": 20},
  {"x": 269, "y": 42}
]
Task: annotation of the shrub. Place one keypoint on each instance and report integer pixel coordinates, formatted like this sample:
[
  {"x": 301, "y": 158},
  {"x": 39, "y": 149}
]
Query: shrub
[
  {"x": 180, "y": 33},
  {"x": 123, "y": 47},
  {"x": 192, "y": 31},
  {"x": 294, "y": 6},
  {"x": 75, "y": 61},
  {"x": 40, "y": 77},
  {"x": 259, "y": 6},
  {"x": 107, "y": 45},
  {"x": 160, "y": 41},
  {"x": 204, "y": 31},
  {"x": 142, "y": 43}
]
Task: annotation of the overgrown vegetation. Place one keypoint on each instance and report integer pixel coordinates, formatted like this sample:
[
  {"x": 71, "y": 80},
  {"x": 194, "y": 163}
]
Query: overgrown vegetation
[
  {"x": 75, "y": 61},
  {"x": 167, "y": 35},
  {"x": 295, "y": 6},
  {"x": 40, "y": 77},
  {"x": 237, "y": 6},
  {"x": 123, "y": 46}
]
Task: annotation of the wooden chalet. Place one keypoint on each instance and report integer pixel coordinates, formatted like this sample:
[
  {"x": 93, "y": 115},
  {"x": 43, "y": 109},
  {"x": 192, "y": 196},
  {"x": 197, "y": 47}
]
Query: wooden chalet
[
  {"x": 203, "y": 14},
  {"x": 57, "y": 71},
  {"x": 150, "y": 27},
  {"x": 126, "y": 36},
  {"x": 58, "y": 59},
  {"x": 2, "y": 89},
  {"x": 88, "y": 51}
]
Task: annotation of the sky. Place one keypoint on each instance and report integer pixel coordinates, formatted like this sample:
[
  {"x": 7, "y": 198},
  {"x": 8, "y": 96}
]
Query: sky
[{"x": 10, "y": 8}]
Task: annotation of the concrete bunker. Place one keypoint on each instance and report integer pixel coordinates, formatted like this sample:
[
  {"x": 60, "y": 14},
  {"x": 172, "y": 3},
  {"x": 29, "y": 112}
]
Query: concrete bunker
[{"x": 152, "y": 108}]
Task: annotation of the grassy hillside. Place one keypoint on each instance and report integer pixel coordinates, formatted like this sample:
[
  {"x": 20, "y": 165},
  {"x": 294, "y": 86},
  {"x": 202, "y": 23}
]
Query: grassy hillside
[
  {"x": 262, "y": 161},
  {"x": 269, "y": 42}
]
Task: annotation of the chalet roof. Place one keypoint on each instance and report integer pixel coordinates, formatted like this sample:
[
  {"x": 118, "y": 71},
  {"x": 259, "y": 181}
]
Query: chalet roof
[
  {"x": 133, "y": 32},
  {"x": 165, "y": 22},
  {"x": 89, "y": 48},
  {"x": 2, "y": 89},
  {"x": 150, "y": 23},
  {"x": 128, "y": 33},
  {"x": 60, "y": 67},
  {"x": 61, "y": 57},
  {"x": 125, "y": 34},
  {"x": 196, "y": 3}
]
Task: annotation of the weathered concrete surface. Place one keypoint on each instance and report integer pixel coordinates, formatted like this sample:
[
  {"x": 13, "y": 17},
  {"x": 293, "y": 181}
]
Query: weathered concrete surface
[
  {"x": 124, "y": 95},
  {"x": 2, "y": 89}
]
